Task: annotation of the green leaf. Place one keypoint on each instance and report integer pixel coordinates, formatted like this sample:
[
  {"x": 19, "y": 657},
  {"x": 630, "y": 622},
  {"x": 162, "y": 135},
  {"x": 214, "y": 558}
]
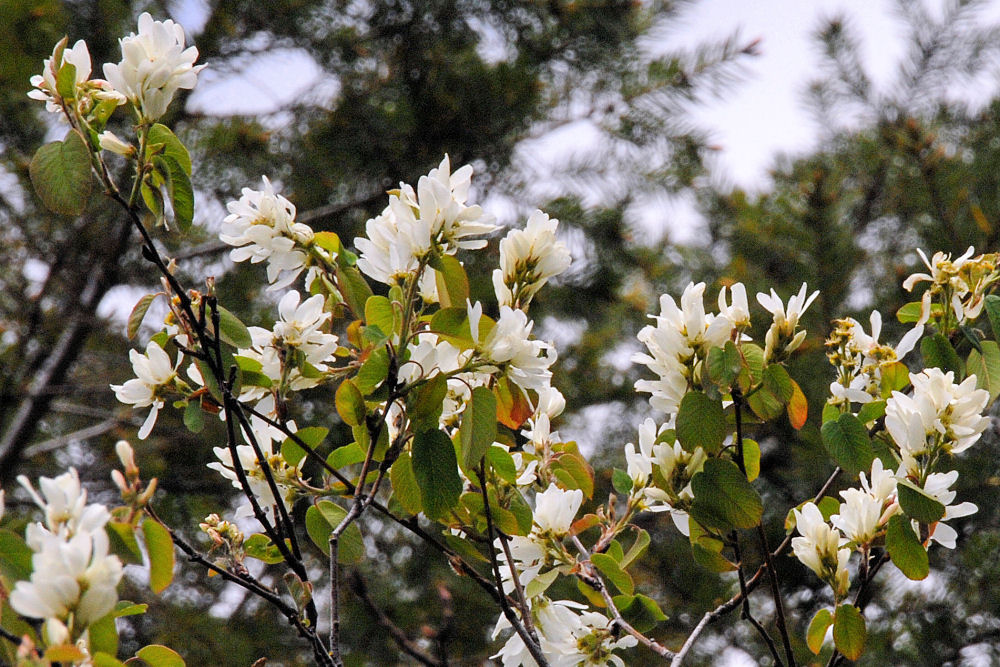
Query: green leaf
[
  {"x": 986, "y": 367},
  {"x": 160, "y": 656},
  {"x": 452, "y": 324},
  {"x": 992, "y": 307},
  {"x": 160, "y": 549},
  {"x": 121, "y": 538},
  {"x": 321, "y": 520},
  {"x": 350, "y": 403},
  {"x": 707, "y": 552},
  {"x": 66, "y": 81},
  {"x": 347, "y": 455},
  {"x": 374, "y": 371},
  {"x": 405, "y": 488},
  {"x": 621, "y": 482},
  {"x": 328, "y": 241},
  {"x": 502, "y": 463},
  {"x": 312, "y": 436},
  {"x": 751, "y": 458},
  {"x": 353, "y": 287},
  {"x": 435, "y": 467},
  {"x": 171, "y": 146},
  {"x": 613, "y": 572},
  {"x": 179, "y": 189},
  {"x": 104, "y": 660},
  {"x": 724, "y": 364},
  {"x": 104, "y": 635},
  {"x": 905, "y": 549},
  {"x": 827, "y": 506},
  {"x": 232, "y": 331},
  {"x": 871, "y": 411},
  {"x": 138, "y": 313},
  {"x": 639, "y": 611},
  {"x": 938, "y": 352},
  {"x": 917, "y": 504},
  {"x": 847, "y": 441},
  {"x": 15, "y": 556},
  {"x": 637, "y": 549},
  {"x": 701, "y": 422},
  {"x": 818, "y": 626},
  {"x": 753, "y": 366},
  {"x": 153, "y": 200},
  {"x": 126, "y": 608},
  {"x": 478, "y": 430},
  {"x": 573, "y": 472},
  {"x": 425, "y": 404},
  {"x": 452, "y": 282},
  {"x": 849, "y": 631},
  {"x": 262, "y": 548},
  {"x": 723, "y": 498},
  {"x": 379, "y": 312},
  {"x": 909, "y": 313},
  {"x": 60, "y": 172},
  {"x": 194, "y": 419},
  {"x": 777, "y": 388},
  {"x": 895, "y": 377}
]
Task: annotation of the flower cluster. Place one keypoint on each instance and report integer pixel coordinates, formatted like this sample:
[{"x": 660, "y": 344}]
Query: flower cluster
[
  {"x": 528, "y": 258},
  {"x": 941, "y": 416},
  {"x": 154, "y": 66},
  {"x": 508, "y": 347},
  {"x": 261, "y": 225},
  {"x": 957, "y": 286},
  {"x": 74, "y": 579},
  {"x": 399, "y": 241},
  {"x": 821, "y": 548},
  {"x": 783, "y": 337},
  {"x": 860, "y": 359}
]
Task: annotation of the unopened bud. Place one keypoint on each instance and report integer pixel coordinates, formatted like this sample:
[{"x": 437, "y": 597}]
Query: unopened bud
[
  {"x": 127, "y": 456},
  {"x": 110, "y": 142},
  {"x": 147, "y": 495},
  {"x": 119, "y": 479}
]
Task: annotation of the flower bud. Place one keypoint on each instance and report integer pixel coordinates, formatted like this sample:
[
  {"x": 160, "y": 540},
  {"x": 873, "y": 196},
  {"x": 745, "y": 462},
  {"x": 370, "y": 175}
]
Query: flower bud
[{"x": 110, "y": 142}]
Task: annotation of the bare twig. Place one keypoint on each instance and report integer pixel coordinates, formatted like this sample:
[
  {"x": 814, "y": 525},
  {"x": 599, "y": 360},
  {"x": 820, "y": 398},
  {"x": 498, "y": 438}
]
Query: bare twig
[{"x": 407, "y": 645}]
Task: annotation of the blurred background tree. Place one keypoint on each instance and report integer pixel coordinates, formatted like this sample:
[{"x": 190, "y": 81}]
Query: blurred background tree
[{"x": 400, "y": 84}]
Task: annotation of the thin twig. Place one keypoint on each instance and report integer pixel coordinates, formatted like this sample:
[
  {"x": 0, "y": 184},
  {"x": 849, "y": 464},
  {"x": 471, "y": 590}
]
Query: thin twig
[
  {"x": 593, "y": 579},
  {"x": 531, "y": 643},
  {"x": 407, "y": 645}
]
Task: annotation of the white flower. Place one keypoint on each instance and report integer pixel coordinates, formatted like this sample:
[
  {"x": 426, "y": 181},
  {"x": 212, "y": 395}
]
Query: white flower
[
  {"x": 508, "y": 345},
  {"x": 74, "y": 575},
  {"x": 155, "y": 373},
  {"x": 435, "y": 214},
  {"x": 261, "y": 224},
  {"x": 64, "y": 501},
  {"x": 681, "y": 338},
  {"x": 555, "y": 510},
  {"x": 938, "y": 486},
  {"x": 528, "y": 258},
  {"x": 738, "y": 313},
  {"x": 939, "y": 414},
  {"x": 639, "y": 464},
  {"x": 819, "y": 548},
  {"x": 154, "y": 66},
  {"x": 860, "y": 516},
  {"x": 286, "y": 477},
  {"x": 110, "y": 142},
  {"x": 45, "y": 83},
  {"x": 782, "y": 332}
]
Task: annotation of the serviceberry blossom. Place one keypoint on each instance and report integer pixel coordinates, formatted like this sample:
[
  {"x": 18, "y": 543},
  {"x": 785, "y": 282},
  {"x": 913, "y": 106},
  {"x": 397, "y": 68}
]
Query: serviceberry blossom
[
  {"x": 74, "y": 579},
  {"x": 528, "y": 258},
  {"x": 287, "y": 478},
  {"x": 398, "y": 240},
  {"x": 555, "y": 510},
  {"x": 45, "y": 83},
  {"x": 155, "y": 375},
  {"x": 821, "y": 548},
  {"x": 782, "y": 337},
  {"x": 938, "y": 486},
  {"x": 261, "y": 224},
  {"x": 508, "y": 347},
  {"x": 154, "y": 66},
  {"x": 959, "y": 284},
  {"x": 681, "y": 339},
  {"x": 940, "y": 415},
  {"x": 860, "y": 358}
]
